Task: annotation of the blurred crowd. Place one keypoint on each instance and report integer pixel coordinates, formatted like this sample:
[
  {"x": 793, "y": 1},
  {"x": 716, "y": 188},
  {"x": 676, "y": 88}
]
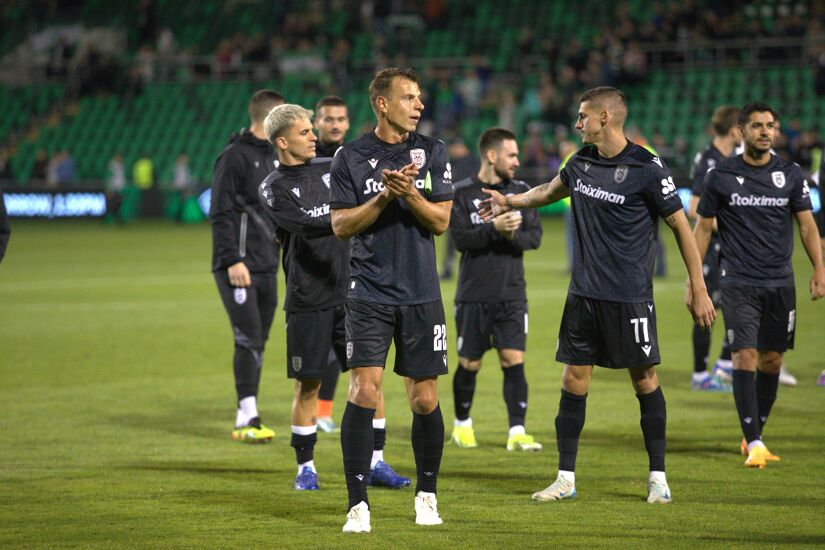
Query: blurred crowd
[{"x": 537, "y": 97}]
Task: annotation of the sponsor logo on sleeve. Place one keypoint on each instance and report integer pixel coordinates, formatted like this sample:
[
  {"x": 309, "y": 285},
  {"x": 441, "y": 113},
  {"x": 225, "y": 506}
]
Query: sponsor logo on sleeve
[
  {"x": 657, "y": 161},
  {"x": 297, "y": 363},
  {"x": 668, "y": 186}
]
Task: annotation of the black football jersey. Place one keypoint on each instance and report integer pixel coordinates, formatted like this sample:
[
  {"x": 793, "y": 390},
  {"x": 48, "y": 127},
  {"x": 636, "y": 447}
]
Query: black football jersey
[
  {"x": 392, "y": 261},
  {"x": 754, "y": 207},
  {"x": 704, "y": 162},
  {"x": 492, "y": 267},
  {"x": 615, "y": 204},
  {"x": 316, "y": 263}
]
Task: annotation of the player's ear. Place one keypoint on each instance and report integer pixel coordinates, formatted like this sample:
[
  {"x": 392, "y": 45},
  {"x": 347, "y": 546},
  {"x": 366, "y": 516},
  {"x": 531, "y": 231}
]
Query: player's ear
[
  {"x": 281, "y": 143},
  {"x": 491, "y": 155},
  {"x": 381, "y": 104}
]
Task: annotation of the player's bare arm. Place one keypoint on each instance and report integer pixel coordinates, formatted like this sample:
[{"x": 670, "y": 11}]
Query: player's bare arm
[
  {"x": 347, "y": 222},
  {"x": 700, "y": 304},
  {"x": 541, "y": 195},
  {"x": 810, "y": 240},
  {"x": 434, "y": 216}
]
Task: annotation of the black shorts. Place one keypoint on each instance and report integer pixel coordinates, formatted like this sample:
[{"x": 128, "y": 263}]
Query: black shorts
[
  {"x": 615, "y": 335},
  {"x": 309, "y": 337},
  {"x": 485, "y": 325},
  {"x": 760, "y": 318},
  {"x": 711, "y": 266},
  {"x": 250, "y": 309},
  {"x": 419, "y": 332}
]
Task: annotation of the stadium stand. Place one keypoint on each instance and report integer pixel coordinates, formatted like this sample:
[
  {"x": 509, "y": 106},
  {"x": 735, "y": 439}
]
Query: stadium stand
[{"x": 539, "y": 54}]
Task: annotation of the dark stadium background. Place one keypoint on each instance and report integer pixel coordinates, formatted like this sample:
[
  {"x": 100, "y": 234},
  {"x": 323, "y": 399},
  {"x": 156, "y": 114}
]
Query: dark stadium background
[{"x": 81, "y": 81}]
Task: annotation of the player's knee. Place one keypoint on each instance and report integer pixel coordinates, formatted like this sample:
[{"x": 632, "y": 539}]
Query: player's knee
[
  {"x": 424, "y": 402},
  {"x": 472, "y": 365},
  {"x": 364, "y": 393},
  {"x": 770, "y": 362},
  {"x": 307, "y": 389},
  {"x": 575, "y": 382},
  {"x": 745, "y": 359}
]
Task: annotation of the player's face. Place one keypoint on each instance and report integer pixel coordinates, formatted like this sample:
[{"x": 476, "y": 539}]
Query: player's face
[
  {"x": 506, "y": 159},
  {"x": 588, "y": 122},
  {"x": 299, "y": 141},
  {"x": 759, "y": 132},
  {"x": 332, "y": 123},
  {"x": 403, "y": 105}
]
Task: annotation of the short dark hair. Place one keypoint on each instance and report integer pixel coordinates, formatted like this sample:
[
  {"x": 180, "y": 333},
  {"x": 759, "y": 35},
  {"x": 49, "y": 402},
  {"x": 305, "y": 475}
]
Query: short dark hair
[
  {"x": 755, "y": 107},
  {"x": 724, "y": 118},
  {"x": 604, "y": 92},
  {"x": 262, "y": 102},
  {"x": 382, "y": 81},
  {"x": 492, "y": 137},
  {"x": 330, "y": 101}
]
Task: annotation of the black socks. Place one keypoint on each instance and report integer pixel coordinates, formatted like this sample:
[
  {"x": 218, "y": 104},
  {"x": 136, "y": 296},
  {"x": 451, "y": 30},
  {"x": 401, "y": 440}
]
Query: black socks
[
  {"x": 304, "y": 447},
  {"x": 744, "y": 393},
  {"x": 515, "y": 394},
  {"x": 428, "y": 445},
  {"x": 701, "y": 348},
  {"x": 654, "y": 422},
  {"x": 356, "y": 448},
  {"x": 569, "y": 423},
  {"x": 464, "y": 387},
  {"x": 766, "y": 385}
]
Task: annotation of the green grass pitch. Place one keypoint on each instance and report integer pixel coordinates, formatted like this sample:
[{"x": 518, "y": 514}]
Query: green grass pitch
[{"x": 118, "y": 401}]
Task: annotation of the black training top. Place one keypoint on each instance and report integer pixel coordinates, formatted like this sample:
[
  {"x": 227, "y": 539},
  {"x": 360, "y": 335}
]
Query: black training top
[
  {"x": 615, "y": 204},
  {"x": 315, "y": 261},
  {"x": 492, "y": 267},
  {"x": 753, "y": 207},
  {"x": 240, "y": 229},
  {"x": 393, "y": 260},
  {"x": 703, "y": 163}
]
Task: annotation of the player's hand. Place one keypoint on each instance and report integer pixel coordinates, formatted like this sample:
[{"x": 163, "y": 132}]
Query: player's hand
[
  {"x": 817, "y": 285},
  {"x": 507, "y": 224},
  {"x": 239, "y": 275},
  {"x": 702, "y": 310},
  {"x": 400, "y": 182},
  {"x": 496, "y": 205}
]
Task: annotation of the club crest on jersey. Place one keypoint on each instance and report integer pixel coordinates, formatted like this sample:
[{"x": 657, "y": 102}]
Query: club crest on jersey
[
  {"x": 418, "y": 157},
  {"x": 297, "y": 363},
  {"x": 325, "y": 179},
  {"x": 240, "y": 296},
  {"x": 778, "y": 179},
  {"x": 621, "y": 173}
]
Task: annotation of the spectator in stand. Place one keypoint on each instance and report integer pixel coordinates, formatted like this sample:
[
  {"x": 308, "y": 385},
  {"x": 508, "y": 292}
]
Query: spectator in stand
[
  {"x": 143, "y": 172},
  {"x": 115, "y": 184},
  {"x": 41, "y": 164},
  {"x": 65, "y": 169}
]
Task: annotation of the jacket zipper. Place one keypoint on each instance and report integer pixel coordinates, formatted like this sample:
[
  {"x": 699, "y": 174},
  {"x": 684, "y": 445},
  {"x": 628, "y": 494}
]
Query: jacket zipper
[{"x": 242, "y": 247}]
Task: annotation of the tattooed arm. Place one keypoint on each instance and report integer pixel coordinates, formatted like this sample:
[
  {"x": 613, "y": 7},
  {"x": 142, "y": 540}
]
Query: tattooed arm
[{"x": 541, "y": 195}]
